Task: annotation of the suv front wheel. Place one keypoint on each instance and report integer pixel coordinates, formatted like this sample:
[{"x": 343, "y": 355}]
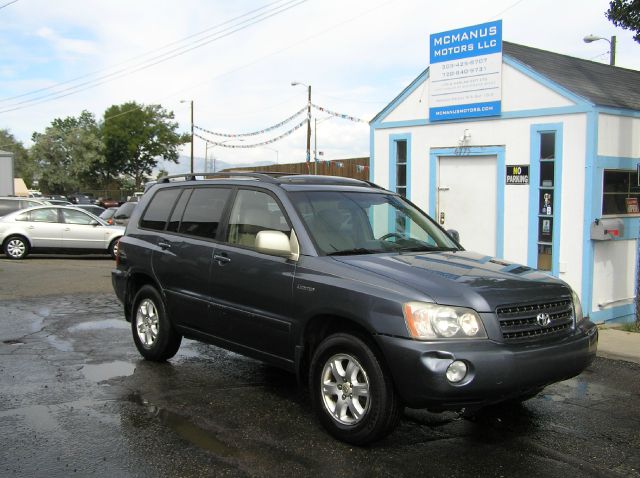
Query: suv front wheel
[
  {"x": 352, "y": 396},
  {"x": 152, "y": 331}
]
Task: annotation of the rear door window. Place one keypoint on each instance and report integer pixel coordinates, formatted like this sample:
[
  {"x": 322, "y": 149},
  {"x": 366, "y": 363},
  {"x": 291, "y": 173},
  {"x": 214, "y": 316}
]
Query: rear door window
[
  {"x": 156, "y": 215},
  {"x": 204, "y": 212},
  {"x": 44, "y": 215}
]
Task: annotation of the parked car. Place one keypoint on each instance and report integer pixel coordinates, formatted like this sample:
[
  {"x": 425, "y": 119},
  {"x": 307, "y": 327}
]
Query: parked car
[
  {"x": 107, "y": 202},
  {"x": 80, "y": 198},
  {"x": 122, "y": 215},
  {"x": 92, "y": 208},
  {"x": 59, "y": 202},
  {"x": 10, "y": 204},
  {"x": 58, "y": 197},
  {"x": 107, "y": 215},
  {"x": 352, "y": 288},
  {"x": 56, "y": 229}
]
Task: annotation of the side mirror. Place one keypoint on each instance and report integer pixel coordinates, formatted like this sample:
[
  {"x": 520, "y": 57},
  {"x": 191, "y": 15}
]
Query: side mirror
[
  {"x": 275, "y": 243},
  {"x": 94, "y": 223},
  {"x": 455, "y": 235}
]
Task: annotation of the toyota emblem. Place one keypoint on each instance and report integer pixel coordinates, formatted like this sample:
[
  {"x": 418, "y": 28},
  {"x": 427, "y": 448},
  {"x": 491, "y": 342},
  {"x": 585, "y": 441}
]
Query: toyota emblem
[{"x": 543, "y": 320}]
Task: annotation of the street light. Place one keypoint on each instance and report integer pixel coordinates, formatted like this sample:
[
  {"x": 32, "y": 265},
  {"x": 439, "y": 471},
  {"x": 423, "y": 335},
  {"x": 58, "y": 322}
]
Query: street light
[
  {"x": 296, "y": 83},
  {"x": 190, "y": 101},
  {"x": 612, "y": 45}
]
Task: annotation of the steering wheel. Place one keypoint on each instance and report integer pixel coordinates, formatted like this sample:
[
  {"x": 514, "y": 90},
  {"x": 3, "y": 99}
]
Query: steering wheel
[{"x": 390, "y": 235}]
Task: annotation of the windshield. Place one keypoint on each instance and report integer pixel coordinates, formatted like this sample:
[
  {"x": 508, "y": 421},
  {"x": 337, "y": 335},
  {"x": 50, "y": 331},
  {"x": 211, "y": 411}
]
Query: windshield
[{"x": 343, "y": 223}]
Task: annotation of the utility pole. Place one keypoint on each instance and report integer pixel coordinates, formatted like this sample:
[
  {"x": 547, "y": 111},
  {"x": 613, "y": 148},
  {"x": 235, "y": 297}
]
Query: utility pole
[
  {"x": 612, "y": 51},
  {"x": 191, "y": 135},
  {"x": 309, "y": 130},
  {"x": 191, "y": 102}
]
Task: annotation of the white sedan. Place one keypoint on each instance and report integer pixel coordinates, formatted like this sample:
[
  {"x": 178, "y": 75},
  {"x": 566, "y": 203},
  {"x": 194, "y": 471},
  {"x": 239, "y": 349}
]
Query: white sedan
[{"x": 58, "y": 229}]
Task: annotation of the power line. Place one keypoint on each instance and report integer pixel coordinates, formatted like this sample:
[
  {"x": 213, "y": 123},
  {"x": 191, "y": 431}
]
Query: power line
[
  {"x": 154, "y": 60},
  {"x": 506, "y": 9},
  {"x": 147, "y": 53},
  {"x": 7, "y": 4}
]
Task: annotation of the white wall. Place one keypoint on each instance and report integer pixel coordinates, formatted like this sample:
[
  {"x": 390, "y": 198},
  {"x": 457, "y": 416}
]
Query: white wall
[
  {"x": 618, "y": 136},
  {"x": 613, "y": 273}
]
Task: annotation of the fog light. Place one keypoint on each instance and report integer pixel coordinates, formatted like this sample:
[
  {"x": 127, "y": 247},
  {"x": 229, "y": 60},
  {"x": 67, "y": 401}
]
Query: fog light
[{"x": 456, "y": 371}]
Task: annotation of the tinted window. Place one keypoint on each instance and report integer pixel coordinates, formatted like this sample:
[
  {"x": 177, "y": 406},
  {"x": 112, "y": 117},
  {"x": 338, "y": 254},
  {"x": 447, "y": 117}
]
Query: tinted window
[
  {"x": 254, "y": 211},
  {"x": 72, "y": 216},
  {"x": 176, "y": 215},
  {"x": 44, "y": 215},
  {"x": 204, "y": 211},
  {"x": 156, "y": 215}
]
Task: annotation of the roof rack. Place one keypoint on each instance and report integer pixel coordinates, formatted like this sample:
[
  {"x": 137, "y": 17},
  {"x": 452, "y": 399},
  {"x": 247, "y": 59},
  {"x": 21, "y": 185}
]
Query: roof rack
[{"x": 269, "y": 177}]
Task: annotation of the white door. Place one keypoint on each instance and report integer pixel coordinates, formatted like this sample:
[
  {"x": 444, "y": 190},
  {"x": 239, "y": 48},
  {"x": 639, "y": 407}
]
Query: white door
[{"x": 467, "y": 199}]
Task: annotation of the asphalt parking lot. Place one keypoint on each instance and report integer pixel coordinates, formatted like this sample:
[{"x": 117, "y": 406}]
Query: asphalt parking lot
[{"x": 76, "y": 399}]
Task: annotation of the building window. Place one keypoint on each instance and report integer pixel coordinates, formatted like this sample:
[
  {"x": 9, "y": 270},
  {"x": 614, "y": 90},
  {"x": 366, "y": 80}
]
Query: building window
[
  {"x": 401, "y": 167},
  {"x": 546, "y": 208},
  {"x": 621, "y": 193}
]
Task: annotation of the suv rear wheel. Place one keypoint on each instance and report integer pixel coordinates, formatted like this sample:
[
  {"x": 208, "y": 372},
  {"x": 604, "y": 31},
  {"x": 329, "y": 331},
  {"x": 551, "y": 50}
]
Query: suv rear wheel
[
  {"x": 351, "y": 395},
  {"x": 152, "y": 331}
]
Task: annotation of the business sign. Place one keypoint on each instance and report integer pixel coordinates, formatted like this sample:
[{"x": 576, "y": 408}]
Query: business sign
[
  {"x": 518, "y": 174},
  {"x": 465, "y": 73}
]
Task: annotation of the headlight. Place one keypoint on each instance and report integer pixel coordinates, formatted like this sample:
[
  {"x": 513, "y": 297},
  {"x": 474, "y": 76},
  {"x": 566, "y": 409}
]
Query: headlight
[
  {"x": 577, "y": 307},
  {"x": 431, "y": 321}
]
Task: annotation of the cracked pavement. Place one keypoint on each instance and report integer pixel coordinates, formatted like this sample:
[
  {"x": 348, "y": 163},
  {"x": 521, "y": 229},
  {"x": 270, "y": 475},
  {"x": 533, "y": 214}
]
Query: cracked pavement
[{"x": 77, "y": 399}]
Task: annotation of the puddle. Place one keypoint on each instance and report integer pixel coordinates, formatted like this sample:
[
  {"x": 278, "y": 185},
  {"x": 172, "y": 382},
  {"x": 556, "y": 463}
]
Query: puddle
[
  {"x": 186, "y": 429},
  {"x": 101, "y": 325},
  {"x": 105, "y": 371}
]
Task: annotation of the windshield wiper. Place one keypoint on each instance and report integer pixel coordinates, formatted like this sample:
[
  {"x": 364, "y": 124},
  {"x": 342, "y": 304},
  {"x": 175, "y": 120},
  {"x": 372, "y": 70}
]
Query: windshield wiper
[{"x": 355, "y": 251}]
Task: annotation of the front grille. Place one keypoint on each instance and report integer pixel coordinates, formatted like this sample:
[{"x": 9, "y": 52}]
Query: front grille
[{"x": 519, "y": 323}]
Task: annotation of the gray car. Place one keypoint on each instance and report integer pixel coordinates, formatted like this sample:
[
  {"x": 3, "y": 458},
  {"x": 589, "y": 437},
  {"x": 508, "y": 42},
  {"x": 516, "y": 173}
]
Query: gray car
[{"x": 352, "y": 288}]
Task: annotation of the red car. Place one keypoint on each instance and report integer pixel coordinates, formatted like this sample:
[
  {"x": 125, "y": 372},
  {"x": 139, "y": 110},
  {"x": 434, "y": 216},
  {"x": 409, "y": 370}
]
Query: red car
[{"x": 107, "y": 202}]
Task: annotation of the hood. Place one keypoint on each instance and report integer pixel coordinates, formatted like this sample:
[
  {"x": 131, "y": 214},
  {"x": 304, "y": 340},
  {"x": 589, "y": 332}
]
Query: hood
[{"x": 462, "y": 278}]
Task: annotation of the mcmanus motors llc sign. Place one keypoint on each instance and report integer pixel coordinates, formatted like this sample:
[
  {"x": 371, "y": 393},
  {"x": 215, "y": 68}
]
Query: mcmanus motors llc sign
[{"x": 465, "y": 76}]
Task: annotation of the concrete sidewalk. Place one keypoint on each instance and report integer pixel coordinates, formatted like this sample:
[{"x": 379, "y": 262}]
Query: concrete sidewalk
[{"x": 619, "y": 345}]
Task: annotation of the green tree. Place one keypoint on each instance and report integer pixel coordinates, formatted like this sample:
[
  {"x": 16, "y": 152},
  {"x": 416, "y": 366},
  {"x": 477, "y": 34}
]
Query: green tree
[
  {"x": 68, "y": 153},
  {"x": 625, "y": 14},
  {"x": 23, "y": 168},
  {"x": 137, "y": 136}
]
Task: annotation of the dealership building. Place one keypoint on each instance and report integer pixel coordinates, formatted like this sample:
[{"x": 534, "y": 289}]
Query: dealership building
[{"x": 541, "y": 168}]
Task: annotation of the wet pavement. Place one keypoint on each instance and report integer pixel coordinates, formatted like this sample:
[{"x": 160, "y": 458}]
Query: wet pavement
[{"x": 76, "y": 399}]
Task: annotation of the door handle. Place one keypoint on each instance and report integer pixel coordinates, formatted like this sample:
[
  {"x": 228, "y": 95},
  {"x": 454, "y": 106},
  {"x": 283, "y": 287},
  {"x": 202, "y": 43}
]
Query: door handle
[
  {"x": 164, "y": 245},
  {"x": 31, "y": 227},
  {"x": 221, "y": 259}
]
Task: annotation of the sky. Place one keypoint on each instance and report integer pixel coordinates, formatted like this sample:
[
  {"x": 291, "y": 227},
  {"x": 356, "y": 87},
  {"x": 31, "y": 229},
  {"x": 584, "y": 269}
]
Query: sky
[{"x": 236, "y": 61}]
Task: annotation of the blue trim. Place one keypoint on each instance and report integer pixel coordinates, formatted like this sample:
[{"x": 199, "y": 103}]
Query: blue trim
[
  {"x": 413, "y": 86},
  {"x": 499, "y": 152},
  {"x": 393, "y": 149},
  {"x": 592, "y": 210},
  {"x": 618, "y": 111},
  {"x": 620, "y": 314},
  {"x": 534, "y": 195},
  {"x": 562, "y": 110},
  {"x": 552, "y": 85}
]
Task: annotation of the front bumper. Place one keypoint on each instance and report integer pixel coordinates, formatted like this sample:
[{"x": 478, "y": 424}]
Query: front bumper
[{"x": 496, "y": 371}]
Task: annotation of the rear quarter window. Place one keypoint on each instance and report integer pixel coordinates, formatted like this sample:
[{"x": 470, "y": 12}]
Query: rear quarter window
[{"x": 161, "y": 205}]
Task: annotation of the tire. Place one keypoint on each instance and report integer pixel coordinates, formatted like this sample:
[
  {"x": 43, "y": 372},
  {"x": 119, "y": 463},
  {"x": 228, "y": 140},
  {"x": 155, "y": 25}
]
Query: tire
[
  {"x": 16, "y": 247},
  {"x": 153, "y": 334},
  {"x": 113, "y": 248},
  {"x": 344, "y": 366}
]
